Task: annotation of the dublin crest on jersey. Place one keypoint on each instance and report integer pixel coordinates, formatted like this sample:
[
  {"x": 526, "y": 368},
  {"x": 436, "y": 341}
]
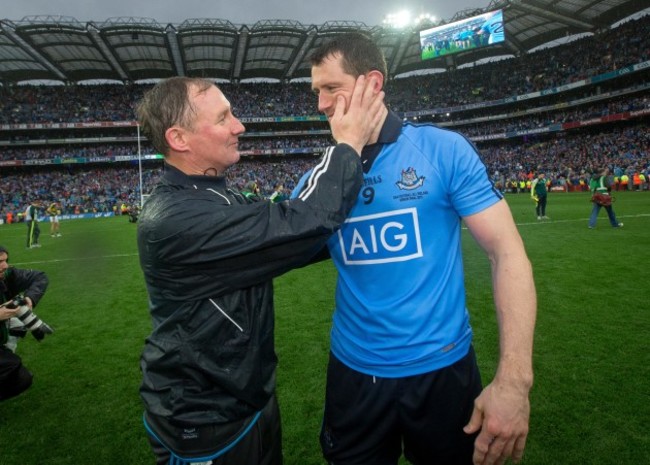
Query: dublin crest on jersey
[{"x": 410, "y": 180}]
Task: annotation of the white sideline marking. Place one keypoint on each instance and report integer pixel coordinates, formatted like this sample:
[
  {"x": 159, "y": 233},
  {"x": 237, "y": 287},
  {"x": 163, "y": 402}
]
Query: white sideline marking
[
  {"x": 75, "y": 259},
  {"x": 552, "y": 221}
]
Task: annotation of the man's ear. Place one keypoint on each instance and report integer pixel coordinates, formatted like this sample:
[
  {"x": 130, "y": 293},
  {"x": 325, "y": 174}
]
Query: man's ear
[
  {"x": 176, "y": 139},
  {"x": 379, "y": 79}
]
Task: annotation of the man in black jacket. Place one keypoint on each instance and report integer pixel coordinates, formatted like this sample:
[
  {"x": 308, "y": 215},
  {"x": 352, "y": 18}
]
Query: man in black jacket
[
  {"x": 209, "y": 255},
  {"x": 20, "y": 291}
]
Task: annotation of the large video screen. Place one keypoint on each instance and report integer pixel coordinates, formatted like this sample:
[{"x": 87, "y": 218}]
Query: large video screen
[{"x": 467, "y": 34}]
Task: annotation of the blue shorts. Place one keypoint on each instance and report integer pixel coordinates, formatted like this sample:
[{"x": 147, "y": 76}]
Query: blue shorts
[{"x": 368, "y": 420}]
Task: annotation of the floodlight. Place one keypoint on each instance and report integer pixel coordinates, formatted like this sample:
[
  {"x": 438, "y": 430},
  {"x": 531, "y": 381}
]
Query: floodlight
[
  {"x": 403, "y": 19},
  {"x": 398, "y": 20},
  {"x": 425, "y": 17}
]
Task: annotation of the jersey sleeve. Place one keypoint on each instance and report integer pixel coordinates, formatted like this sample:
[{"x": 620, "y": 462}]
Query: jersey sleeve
[{"x": 470, "y": 188}]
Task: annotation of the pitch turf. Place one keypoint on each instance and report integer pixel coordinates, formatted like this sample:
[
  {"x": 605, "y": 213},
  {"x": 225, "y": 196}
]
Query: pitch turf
[{"x": 590, "y": 402}]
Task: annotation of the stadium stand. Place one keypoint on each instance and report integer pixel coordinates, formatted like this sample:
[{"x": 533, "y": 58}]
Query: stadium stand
[{"x": 564, "y": 109}]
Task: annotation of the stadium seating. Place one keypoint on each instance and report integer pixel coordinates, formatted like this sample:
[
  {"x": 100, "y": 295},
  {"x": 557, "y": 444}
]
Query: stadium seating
[{"x": 565, "y": 110}]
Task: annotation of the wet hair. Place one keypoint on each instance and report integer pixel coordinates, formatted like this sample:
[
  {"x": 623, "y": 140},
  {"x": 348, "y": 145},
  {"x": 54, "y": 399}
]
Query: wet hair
[
  {"x": 359, "y": 54},
  {"x": 168, "y": 104}
]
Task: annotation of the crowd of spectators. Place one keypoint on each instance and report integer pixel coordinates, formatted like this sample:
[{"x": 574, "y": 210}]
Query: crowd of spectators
[
  {"x": 499, "y": 124},
  {"x": 622, "y": 46},
  {"x": 568, "y": 158},
  {"x": 70, "y": 151},
  {"x": 504, "y": 123},
  {"x": 567, "y": 161},
  {"x": 590, "y": 56},
  {"x": 100, "y": 189},
  {"x": 78, "y": 189}
]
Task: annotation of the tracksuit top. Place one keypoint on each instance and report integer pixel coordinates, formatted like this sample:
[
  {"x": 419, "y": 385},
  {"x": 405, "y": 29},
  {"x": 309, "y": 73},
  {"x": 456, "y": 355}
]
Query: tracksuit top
[{"x": 209, "y": 256}]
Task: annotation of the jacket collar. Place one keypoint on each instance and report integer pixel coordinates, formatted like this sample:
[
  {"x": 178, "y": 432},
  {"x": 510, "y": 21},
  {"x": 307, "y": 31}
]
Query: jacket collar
[{"x": 176, "y": 177}]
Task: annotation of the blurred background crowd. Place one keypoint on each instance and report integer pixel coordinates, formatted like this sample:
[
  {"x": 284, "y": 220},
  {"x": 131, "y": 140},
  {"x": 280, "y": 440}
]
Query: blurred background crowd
[{"x": 566, "y": 134}]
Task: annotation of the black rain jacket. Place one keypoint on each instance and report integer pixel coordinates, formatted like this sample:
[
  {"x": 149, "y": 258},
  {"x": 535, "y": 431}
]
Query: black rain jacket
[
  {"x": 31, "y": 283},
  {"x": 209, "y": 256}
]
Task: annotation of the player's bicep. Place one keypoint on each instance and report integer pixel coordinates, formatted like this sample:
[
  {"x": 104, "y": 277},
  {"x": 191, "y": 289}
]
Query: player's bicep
[{"x": 494, "y": 228}]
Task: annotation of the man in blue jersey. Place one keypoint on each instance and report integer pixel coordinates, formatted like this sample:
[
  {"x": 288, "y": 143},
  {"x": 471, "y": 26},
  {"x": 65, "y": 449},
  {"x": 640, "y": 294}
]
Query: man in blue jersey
[
  {"x": 402, "y": 375},
  {"x": 493, "y": 27}
]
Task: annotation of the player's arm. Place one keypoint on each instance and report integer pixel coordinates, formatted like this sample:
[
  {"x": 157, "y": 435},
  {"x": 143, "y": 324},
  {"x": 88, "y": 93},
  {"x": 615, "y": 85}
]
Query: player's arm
[{"x": 502, "y": 410}]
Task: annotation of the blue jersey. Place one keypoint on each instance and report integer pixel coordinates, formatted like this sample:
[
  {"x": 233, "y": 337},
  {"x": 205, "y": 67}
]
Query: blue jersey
[
  {"x": 400, "y": 295},
  {"x": 494, "y": 27}
]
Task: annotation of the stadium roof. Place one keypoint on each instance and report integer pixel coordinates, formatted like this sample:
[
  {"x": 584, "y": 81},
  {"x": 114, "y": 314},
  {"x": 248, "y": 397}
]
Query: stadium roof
[{"x": 63, "y": 49}]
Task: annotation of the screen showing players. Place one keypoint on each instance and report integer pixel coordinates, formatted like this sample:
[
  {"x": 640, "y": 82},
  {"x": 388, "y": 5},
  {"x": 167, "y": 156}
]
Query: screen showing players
[{"x": 459, "y": 36}]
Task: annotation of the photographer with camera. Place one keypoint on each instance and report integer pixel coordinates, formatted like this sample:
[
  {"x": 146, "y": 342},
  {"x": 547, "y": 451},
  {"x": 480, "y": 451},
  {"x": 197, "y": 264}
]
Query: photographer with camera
[{"x": 20, "y": 290}]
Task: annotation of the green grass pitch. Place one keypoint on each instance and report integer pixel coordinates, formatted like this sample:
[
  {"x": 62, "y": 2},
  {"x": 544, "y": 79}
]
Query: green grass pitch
[{"x": 590, "y": 402}]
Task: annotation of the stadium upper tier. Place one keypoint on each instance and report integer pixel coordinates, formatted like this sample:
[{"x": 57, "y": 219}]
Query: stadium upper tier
[
  {"x": 614, "y": 60},
  {"x": 134, "y": 49}
]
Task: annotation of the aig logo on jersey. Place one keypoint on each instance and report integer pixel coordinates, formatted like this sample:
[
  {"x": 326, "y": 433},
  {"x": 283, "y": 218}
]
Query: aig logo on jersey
[{"x": 381, "y": 238}]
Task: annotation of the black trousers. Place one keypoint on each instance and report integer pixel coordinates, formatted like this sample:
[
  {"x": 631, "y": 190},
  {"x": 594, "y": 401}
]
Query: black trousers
[
  {"x": 33, "y": 232},
  {"x": 14, "y": 377},
  {"x": 541, "y": 206}
]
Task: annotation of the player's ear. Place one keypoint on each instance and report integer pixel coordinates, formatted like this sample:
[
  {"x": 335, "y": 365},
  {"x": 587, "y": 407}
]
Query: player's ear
[{"x": 379, "y": 79}]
